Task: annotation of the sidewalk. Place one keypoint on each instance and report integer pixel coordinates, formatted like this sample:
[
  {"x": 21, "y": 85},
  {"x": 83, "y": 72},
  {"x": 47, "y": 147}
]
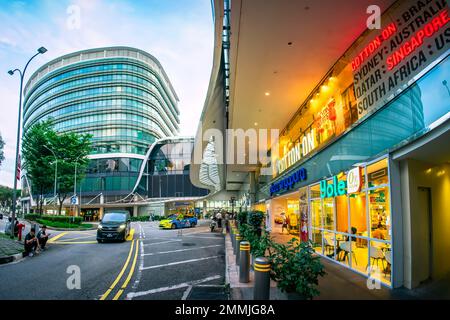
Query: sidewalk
[
  {"x": 338, "y": 284},
  {"x": 10, "y": 250}
]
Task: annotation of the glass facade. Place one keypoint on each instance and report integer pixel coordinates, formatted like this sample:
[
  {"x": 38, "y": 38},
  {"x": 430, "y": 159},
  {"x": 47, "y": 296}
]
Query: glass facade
[
  {"x": 354, "y": 229},
  {"x": 120, "y": 95},
  {"x": 166, "y": 173}
]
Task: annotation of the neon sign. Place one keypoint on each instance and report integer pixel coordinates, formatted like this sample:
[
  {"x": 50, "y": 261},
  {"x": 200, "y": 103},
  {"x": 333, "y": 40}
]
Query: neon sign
[
  {"x": 289, "y": 182},
  {"x": 417, "y": 40},
  {"x": 373, "y": 45},
  {"x": 295, "y": 154}
]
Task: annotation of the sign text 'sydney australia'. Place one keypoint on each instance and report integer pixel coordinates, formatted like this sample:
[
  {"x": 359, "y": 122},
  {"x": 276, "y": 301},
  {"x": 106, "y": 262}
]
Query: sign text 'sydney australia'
[{"x": 413, "y": 35}]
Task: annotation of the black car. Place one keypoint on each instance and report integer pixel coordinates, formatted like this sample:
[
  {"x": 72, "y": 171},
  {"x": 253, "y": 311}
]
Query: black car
[{"x": 115, "y": 225}]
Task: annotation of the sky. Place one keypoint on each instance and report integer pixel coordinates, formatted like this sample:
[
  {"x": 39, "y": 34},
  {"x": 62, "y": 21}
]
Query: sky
[{"x": 179, "y": 33}]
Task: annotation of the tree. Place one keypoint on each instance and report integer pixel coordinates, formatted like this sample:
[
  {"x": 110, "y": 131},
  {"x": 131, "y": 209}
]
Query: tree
[
  {"x": 6, "y": 196},
  {"x": 40, "y": 145},
  {"x": 71, "y": 150},
  {"x": 2, "y": 155},
  {"x": 39, "y": 160}
]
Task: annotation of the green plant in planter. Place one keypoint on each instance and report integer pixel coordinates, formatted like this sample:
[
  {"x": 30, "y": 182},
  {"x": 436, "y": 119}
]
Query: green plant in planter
[
  {"x": 296, "y": 268},
  {"x": 255, "y": 219},
  {"x": 242, "y": 217},
  {"x": 262, "y": 245}
]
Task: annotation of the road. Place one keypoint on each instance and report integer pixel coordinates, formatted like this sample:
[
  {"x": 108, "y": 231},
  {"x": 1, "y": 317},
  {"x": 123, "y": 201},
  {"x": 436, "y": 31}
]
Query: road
[{"x": 151, "y": 264}]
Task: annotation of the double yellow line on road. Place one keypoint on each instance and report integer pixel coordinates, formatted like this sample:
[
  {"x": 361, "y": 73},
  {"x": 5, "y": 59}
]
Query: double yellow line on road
[{"x": 135, "y": 246}]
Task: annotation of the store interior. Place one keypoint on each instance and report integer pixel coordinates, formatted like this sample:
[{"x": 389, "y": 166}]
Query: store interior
[{"x": 285, "y": 209}]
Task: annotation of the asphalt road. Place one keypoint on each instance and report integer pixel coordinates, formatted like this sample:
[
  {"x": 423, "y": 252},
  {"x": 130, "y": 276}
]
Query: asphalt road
[{"x": 151, "y": 264}]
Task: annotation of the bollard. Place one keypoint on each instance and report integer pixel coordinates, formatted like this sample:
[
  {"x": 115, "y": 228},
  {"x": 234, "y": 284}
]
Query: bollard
[
  {"x": 261, "y": 290},
  {"x": 233, "y": 240},
  {"x": 244, "y": 263},
  {"x": 238, "y": 243}
]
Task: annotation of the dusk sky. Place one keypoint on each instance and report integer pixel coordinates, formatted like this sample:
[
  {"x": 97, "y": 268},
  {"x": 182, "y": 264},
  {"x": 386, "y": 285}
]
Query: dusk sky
[{"x": 179, "y": 33}]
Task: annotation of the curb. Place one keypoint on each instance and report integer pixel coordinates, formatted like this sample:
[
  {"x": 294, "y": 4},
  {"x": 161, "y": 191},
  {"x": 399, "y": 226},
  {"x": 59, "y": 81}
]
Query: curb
[{"x": 13, "y": 258}]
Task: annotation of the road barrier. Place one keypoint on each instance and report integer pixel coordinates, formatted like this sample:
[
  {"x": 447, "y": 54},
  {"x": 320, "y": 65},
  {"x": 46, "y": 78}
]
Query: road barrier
[
  {"x": 237, "y": 244},
  {"x": 244, "y": 263},
  {"x": 261, "y": 290}
]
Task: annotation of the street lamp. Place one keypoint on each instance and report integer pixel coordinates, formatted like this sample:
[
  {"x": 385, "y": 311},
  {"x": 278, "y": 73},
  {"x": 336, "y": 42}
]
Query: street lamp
[
  {"x": 75, "y": 182},
  {"x": 41, "y": 50}
]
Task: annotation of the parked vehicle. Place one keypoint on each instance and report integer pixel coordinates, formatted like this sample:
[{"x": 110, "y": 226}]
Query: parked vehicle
[
  {"x": 115, "y": 225},
  {"x": 178, "y": 222}
]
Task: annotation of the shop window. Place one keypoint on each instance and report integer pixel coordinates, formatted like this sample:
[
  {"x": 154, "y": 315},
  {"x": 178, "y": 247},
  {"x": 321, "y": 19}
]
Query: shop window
[
  {"x": 293, "y": 216},
  {"x": 360, "y": 255},
  {"x": 380, "y": 216},
  {"x": 315, "y": 191},
  {"x": 358, "y": 214},
  {"x": 380, "y": 261},
  {"x": 342, "y": 214},
  {"x": 316, "y": 213},
  {"x": 316, "y": 236},
  {"x": 328, "y": 214},
  {"x": 329, "y": 244},
  {"x": 377, "y": 173}
]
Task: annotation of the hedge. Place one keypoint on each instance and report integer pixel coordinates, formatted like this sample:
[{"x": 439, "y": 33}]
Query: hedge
[
  {"x": 52, "y": 218},
  {"x": 140, "y": 218}
]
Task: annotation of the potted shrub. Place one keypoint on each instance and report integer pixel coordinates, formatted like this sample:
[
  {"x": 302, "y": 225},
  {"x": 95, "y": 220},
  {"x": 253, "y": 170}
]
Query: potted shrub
[
  {"x": 255, "y": 219},
  {"x": 296, "y": 269},
  {"x": 242, "y": 218}
]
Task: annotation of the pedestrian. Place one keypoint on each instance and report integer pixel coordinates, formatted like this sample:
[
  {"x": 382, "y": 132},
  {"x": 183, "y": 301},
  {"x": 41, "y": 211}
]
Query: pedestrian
[
  {"x": 8, "y": 226},
  {"x": 30, "y": 243},
  {"x": 42, "y": 237},
  {"x": 219, "y": 219},
  {"x": 21, "y": 227},
  {"x": 285, "y": 223}
]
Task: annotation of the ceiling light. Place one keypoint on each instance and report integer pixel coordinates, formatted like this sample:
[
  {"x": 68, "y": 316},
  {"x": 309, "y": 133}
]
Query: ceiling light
[
  {"x": 256, "y": 123},
  {"x": 267, "y": 93}
]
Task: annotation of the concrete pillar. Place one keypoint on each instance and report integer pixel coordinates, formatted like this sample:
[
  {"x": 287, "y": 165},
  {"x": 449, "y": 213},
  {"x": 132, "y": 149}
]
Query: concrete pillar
[
  {"x": 100, "y": 213},
  {"x": 135, "y": 211},
  {"x": 205, "y": 208}
]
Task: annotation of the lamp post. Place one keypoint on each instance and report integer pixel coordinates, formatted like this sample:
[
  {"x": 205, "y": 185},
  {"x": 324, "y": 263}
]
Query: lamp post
[
  {"x": 75, "y": 182},
  {"x": 41, "y": 50},
  {"x": 56, "y": 171}
]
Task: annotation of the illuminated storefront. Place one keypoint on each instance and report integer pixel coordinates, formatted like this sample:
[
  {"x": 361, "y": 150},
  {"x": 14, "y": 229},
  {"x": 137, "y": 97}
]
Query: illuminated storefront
[{"x": 362, "y": 165}]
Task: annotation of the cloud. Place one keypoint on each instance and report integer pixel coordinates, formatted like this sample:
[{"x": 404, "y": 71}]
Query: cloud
[{"x": 178, "y": 33}]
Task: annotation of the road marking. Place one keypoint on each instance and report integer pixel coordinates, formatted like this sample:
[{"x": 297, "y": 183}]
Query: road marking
[
  {"x": 74, "y": 242},
  {"x": 77, "y": 238},
  {"x": 130, "y": 274},
  {"x": 180, "y": 250},
  {"x": 132, "y": 295},
  {"x": 179, "y": 262},
  {"x": 53, "y": 239},
  {"x": 151, "y": 244},
  {"x": 105, "y": 295},
  {"x": 131, "y": 235},
  {"x": 200, "y": 237},
  {"x": 186, "y": 293}
]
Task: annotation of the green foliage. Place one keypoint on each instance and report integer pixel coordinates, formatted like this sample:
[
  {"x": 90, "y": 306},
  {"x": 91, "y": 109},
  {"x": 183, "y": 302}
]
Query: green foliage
[
  {"x": 140, "y": 218},
  {"x": 6, "y": 195},
  {"x": 51, "y": 218},
  {"x": 158, "y": 218},
  {"x": 255, "y": 218},
  {"x": 296, "y": 268},
  {"x": 38, "y": 160},
  {"x": 242, "y": 217},
  {"x": 66, "y": 225},
  {"x": 44, "y": 149},
  {"x": 2, "y": 155}
]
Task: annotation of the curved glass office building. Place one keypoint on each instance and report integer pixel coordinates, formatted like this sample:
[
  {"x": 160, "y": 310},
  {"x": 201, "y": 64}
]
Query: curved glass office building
[{"x": 121, "y": 96}]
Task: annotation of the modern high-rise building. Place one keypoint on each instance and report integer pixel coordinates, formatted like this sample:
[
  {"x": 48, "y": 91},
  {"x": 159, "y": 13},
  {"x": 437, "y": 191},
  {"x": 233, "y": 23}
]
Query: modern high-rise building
[{"x": 120, "y": 95}]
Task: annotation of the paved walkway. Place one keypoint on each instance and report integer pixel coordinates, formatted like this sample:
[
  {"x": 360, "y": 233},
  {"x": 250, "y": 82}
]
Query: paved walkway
[
  {"x": 9, "y": 247},
  {"x": 338, "y": 284}
]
